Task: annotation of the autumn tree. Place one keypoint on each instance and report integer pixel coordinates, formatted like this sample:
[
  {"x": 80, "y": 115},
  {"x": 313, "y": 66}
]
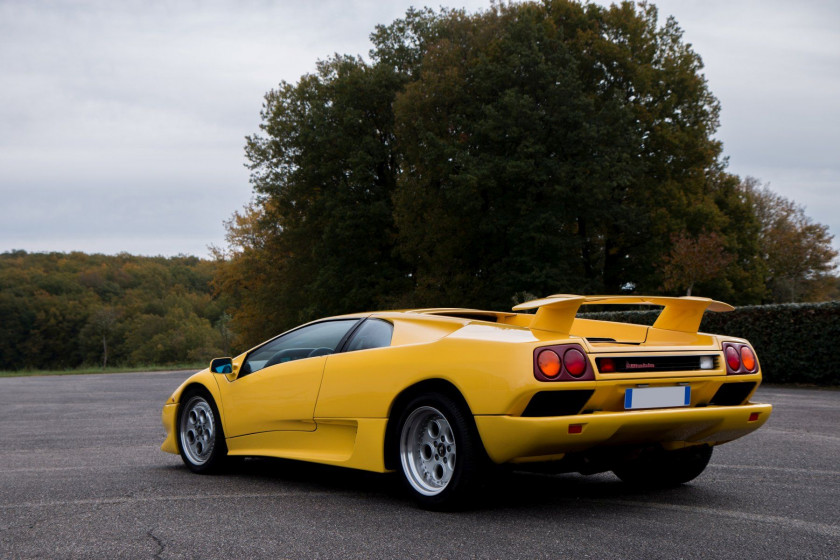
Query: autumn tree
[
  {"x": 797, "y": 251},
  {"x": 693, "y": 260}
]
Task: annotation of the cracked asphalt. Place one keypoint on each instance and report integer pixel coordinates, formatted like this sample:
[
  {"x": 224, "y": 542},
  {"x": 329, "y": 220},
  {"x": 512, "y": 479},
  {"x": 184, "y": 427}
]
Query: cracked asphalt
[{"x": 82, "y": 476}]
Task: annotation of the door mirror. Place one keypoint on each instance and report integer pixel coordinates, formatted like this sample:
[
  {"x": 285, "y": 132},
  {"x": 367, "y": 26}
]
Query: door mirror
[{"x": 221, "y": 365}]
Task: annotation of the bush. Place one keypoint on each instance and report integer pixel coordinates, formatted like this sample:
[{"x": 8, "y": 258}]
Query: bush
[{"x": 795, "y": 342}]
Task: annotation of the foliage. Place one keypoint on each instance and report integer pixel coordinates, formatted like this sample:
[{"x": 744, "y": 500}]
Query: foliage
[
  {"x": 797, "y": 252},
  {"x": 62, "y": 310},
  {"x": 319, "y": 238},
  {"x": 555, "y": 147},
  {"x": 795, "y": 343},
  {"x": 540, "y": 148},
  {"x": 694, "y": 260}
]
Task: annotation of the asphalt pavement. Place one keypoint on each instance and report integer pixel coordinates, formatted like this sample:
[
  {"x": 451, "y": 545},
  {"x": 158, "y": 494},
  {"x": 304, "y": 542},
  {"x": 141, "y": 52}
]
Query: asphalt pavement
[{"x": 82, "y": 476}]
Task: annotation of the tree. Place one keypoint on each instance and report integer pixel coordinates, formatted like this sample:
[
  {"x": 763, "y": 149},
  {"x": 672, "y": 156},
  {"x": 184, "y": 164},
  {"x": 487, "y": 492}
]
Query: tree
[
  {"x": 555, "y": 147},
  {"x": 531, "y": 147},
  {"x": 797, "y": 251},
  {"x": 319, "y": 238},
  {"x": 102, "y": 323},
  {"x": 64, "y": 310},
  {"x": 694, "y": 260}
]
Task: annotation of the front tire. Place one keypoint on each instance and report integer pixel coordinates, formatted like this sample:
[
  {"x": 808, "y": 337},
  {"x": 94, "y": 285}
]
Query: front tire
[
  {"x": 665, "y": 469},
  {"x": 201, "y": 440},
  {"x": 440, "y": 454}
]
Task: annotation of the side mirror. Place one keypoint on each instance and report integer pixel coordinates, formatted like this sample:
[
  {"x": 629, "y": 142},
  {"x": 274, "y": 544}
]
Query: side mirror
[{"x": 221, "y": 365}]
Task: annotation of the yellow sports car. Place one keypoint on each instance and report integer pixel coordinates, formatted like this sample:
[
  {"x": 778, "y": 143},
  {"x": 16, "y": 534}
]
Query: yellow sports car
[{"x": 442, "y": 395}]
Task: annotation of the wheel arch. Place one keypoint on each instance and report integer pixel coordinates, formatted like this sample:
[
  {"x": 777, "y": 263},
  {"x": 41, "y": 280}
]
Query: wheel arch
[
  {"x": 202, "y": 381},
  {"x": 440, "y": 386}
]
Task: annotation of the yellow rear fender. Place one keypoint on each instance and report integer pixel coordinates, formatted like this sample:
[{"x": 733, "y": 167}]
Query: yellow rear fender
[{"x": 428, "y": 386}]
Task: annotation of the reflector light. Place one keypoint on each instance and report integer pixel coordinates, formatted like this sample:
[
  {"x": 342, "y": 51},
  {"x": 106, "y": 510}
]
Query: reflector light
[
  {"x": 753, "y": 416},
  {"x": 549, "y": 363},
  {"x": 733, "y": 360},
  {"x": 748, "y": 358},
  {"x": 575, "y": 428},
  {"x": 575, "y": 362},
  {"x": 606, "y": 365}
]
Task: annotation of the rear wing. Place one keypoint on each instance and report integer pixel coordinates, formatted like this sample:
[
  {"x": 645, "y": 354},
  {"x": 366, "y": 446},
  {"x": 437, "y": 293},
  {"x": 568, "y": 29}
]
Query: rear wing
[{"x": 557, "y": 313}]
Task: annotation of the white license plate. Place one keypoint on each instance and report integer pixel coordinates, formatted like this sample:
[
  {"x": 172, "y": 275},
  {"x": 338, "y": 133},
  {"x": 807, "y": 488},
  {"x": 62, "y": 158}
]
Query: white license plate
[{"x": 657, "y": 397}]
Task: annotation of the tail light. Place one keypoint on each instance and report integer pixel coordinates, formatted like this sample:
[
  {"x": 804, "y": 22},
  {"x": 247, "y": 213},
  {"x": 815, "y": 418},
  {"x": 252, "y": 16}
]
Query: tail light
[
  {"x": 740, "y": 358},
  {"x": 733, "y": 358},
  {"x": 549, "y": 363},
  {"x": 606, "y": 365},
  {"x": 747, "y": 358},
  {"x": 573, "y": 366},
  {"x": 575, "y": 362}
]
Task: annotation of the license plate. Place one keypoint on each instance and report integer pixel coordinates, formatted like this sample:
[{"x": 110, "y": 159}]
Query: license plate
[{"x": 657, "y": 397}]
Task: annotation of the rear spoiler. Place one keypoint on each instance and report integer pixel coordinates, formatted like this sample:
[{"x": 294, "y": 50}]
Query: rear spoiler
[{"x": 557, "y": 313}]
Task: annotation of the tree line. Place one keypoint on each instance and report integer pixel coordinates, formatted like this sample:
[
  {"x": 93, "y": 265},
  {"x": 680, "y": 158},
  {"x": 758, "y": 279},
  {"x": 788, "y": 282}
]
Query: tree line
[
  {"x": 479, "y": 158},
  {"x": 62, "y": 311}
]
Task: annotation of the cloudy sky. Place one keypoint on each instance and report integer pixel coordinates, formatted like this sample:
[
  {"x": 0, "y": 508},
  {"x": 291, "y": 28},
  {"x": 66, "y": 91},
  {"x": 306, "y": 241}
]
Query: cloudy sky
[{"x": 122, "y": 123}]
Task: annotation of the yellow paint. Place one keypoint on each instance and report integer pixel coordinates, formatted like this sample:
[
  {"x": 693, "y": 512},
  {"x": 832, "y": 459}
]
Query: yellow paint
[
  {"x": 280, "y": 397},
  {"x": 508, "y": 438},
  {"x": 335, "y": 409}
]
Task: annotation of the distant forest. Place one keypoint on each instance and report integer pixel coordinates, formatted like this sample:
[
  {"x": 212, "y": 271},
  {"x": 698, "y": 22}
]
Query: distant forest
[{"x": 62, "y": 311}]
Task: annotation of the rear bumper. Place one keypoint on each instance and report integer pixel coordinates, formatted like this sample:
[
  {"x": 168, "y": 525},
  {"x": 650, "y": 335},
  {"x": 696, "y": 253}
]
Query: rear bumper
[{"x": 521, "y": 439}]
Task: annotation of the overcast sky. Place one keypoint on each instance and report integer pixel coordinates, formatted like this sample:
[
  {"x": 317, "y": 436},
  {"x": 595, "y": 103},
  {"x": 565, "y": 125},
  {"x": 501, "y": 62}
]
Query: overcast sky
[{"x": 122, "y": 124}]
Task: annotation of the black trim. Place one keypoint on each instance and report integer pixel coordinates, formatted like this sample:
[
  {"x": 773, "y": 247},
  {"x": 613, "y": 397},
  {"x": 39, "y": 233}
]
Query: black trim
[
  {"x": 557, "y": 403},
  {"x": 733, "y": 394},
  {"x": 633, "y": 364},
  {"x": 345, "y": 342}
]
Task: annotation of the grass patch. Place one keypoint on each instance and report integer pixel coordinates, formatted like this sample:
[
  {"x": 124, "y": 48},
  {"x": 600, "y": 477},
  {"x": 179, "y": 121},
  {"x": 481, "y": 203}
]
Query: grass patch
[{"x": 89, "y": 370}]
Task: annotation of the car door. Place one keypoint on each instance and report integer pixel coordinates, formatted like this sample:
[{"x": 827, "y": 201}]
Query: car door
[{"x": 278, "y": 382}]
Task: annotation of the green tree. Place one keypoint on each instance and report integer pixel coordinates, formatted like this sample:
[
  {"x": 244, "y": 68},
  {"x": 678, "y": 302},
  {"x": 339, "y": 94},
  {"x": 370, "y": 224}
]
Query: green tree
[
  {"x": 555, "y": 147},
  {"x": 320, "y": 238},
  {"x": 531, "y": 147}
]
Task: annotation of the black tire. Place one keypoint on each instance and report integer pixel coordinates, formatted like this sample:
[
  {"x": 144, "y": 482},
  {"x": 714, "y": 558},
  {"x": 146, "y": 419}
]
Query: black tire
[
  {"x": 200, "y": 436},
  {"x": 440, "y": 455},
  {"x": 663, "y": 469}
]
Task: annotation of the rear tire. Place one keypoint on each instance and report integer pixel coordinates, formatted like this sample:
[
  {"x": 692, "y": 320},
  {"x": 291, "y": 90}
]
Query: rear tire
[
  {"x": 201, "y": 439},
  {"x": 663, "y": 469},
  {"x": 440, "y": 457}
]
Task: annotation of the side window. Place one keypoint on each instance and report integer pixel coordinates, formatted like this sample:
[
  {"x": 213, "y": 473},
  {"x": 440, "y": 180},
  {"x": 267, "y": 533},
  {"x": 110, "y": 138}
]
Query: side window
[
  {"x": 374, "y": 333},
  {"x": 319, "y": 339}
]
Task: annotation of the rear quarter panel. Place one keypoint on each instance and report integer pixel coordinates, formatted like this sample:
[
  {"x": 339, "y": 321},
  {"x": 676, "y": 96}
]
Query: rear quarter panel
[{"x": 491, "y": 366}]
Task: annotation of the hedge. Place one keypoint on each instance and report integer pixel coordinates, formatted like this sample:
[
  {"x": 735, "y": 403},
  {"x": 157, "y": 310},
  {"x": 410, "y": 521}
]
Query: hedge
[{"x": 795, "y": 342}]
